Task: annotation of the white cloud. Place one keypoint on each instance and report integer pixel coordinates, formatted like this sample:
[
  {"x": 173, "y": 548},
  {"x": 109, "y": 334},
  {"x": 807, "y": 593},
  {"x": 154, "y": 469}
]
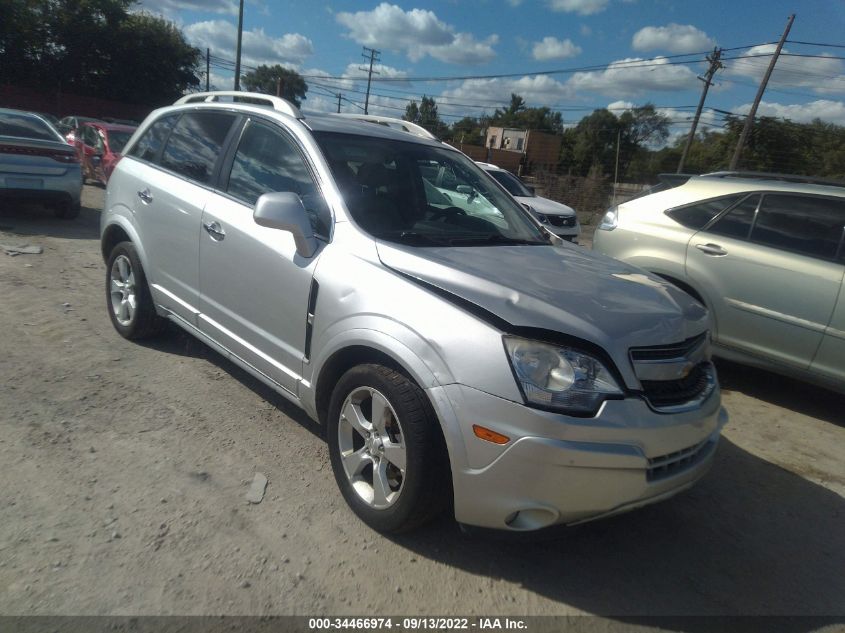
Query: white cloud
[
  {"x": 675, "y": 38},
  {"x": 582, "y": 7},
  {"x": 552, "y": 48},
  {"x": 291, "y": 49},
  {"x": 824, "y": 74},
  {"x": 172, "y": 7},
  {"x": 824, "y": 109},
  {"x": 417, "y": 33},
  {"x": 635, "y": 76},
  {"x": 537, "y": 90}
]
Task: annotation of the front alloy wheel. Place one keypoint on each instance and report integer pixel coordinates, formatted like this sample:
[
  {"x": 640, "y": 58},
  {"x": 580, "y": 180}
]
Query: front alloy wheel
[
  {"x": 386, "y": 448},
  {"x": 122, "y": 285},
  {"x": 372, "y": 447}
]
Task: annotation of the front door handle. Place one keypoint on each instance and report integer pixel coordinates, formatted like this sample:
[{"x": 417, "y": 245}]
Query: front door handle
[
  {"x": 145, "y": 196},
  {"x": 214, "y": 230},
  {"x": 714, "y": 250}
]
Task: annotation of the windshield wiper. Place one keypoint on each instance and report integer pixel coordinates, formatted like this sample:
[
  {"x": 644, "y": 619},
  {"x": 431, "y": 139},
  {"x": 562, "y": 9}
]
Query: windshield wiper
[
  {"x": 493, "y": 239},
  {"x": 411, "y": 237}
]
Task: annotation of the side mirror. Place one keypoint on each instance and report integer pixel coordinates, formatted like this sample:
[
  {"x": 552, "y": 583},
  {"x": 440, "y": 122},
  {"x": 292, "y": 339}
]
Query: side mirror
[{"x": 285, "y": 211}]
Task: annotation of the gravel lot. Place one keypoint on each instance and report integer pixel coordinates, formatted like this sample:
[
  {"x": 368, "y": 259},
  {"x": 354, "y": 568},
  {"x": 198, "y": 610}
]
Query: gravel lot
[{"x": 125, "y": 469}]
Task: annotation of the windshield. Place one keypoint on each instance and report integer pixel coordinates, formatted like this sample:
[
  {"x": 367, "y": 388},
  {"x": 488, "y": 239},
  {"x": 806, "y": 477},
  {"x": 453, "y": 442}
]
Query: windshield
[
  {"x": 414, "y": 193},
  {"x": 26, "y": 126},
  {"x": 118, "y": 140},
  {"x": 510, "y": 182}
]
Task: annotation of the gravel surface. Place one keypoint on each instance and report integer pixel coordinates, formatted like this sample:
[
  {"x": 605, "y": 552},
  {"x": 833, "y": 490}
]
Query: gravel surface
[{"x": 126, "y": 470}]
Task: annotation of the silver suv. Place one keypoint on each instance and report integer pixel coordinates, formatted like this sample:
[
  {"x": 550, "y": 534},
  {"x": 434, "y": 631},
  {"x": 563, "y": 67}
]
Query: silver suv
[
  {"x": 766, "y": 254},
  {"x": 454, "y": 356}
]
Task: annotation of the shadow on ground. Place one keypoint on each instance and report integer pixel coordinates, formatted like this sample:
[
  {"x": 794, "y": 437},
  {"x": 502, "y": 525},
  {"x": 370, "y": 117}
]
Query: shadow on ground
[
  {"x": 795, "y": 395},
  {"x": 33, "y": 219}
]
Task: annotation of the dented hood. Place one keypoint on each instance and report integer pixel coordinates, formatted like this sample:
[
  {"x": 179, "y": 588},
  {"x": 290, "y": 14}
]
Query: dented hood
[{"x": 564, "y": 289}]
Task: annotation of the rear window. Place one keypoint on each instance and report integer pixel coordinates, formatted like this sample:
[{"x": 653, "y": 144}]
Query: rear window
[
  {"x": 696, "y": 216},
  {"x": 25, "y": 126},
  {"x": 807, "y": 225},
  {"x": 148, "y": 147},
  {"x": 194, "y": 144}
]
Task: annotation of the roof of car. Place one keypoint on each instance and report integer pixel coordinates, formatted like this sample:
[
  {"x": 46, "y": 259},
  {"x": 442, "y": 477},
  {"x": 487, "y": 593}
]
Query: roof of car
[
  {"x": 758, "y": 182},
  {"x": 347, "y": 125}
]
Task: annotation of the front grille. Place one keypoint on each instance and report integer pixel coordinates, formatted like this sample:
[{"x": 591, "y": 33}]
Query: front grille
[
  {"x": 671, "y": 464},
  {"x": 665, "y": 352},
  {"x": 561, "y": 220},
  {"x": 669, "y": 393}
]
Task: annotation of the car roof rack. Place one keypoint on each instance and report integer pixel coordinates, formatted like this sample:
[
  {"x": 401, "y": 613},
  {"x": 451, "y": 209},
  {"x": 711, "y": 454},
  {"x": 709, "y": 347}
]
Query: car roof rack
[
  {"x": 235, "y": 96},
  {"x": 396, "y": 124},
  {"x": 761, "y": 175}
]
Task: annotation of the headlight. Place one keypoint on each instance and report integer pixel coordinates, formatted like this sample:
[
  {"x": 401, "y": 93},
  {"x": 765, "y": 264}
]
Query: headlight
[
  {"x": 610, "y": 219},
  {"x": 560, "y": 377}
]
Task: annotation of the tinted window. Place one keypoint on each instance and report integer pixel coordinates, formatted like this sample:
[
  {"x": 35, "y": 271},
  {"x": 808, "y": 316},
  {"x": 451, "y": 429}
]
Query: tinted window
[
  {"x": 810, "y": 226},
  {"x": 194, "y": 144},
  {"x": 737, "y": 222},
  {"x": 149, "y": 145},
  {"x": 24, "y": 126},
  {"x": 267, "y": 160},
  {"x": 511, "y": 184},
  {"x": 695, "y": 216}
]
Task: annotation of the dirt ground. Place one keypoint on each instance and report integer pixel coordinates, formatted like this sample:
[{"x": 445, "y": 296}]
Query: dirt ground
[{"x": 125, "y": 468}]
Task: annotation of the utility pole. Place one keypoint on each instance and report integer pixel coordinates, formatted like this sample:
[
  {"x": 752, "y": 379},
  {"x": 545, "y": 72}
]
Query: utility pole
[
  {"x": 616, "y": 169},
  {"x": 374, "y": 57},
  {"x": 751, "y": 114},
  {"x": 238, "y": 53},
  {"x": 207, "y": 69},
  {"x": 715, "y": 64},
  {"x": 279, "y": 85},
  {"x": 339, "y": 97}
]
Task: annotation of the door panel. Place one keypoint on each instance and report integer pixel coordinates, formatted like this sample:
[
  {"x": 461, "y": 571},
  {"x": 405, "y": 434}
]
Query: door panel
[
  {"x": 254, "y": 290},
  {"x": 830, "y": 359},
  {"x": 765, "y": 301}
]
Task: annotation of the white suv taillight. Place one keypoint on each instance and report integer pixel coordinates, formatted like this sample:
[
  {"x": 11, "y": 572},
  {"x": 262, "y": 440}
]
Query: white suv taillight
[{"x": 610, "y": 219}]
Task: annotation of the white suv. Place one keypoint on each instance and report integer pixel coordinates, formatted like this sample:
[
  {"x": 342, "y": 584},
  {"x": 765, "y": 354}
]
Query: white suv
[
  {"x": 765, "y": 253},
  {"x": 556, "y": 217},
  {"x": 455, "y": 354}
]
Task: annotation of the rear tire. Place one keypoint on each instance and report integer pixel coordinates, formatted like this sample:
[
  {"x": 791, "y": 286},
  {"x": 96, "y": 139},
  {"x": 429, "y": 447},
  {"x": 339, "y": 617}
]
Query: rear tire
[
  {"x": 67, "y": 210},
  {"x": 128, "y": 297},
  {"x": 392, "y": 469}
]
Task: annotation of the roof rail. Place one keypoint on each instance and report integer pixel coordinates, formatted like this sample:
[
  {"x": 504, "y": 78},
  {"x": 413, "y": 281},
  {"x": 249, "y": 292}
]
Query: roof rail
[
  {"x": 257, "y": 98},
  {"x": 761, "y": 175},
  {"x": 396, "y": 124}
]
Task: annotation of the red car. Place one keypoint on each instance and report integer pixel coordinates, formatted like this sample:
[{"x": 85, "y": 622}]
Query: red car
[{"x": 99, "y": 146}]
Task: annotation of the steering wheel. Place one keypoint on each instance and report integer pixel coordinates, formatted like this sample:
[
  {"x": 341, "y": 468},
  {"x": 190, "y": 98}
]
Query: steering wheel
[{"x": 447, "y": 212}]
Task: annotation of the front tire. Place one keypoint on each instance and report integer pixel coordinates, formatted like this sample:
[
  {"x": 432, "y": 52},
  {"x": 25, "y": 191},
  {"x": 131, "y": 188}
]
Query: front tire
[
  {"x": 128, "y": 298},
  {"x": 387, "y": 450}
]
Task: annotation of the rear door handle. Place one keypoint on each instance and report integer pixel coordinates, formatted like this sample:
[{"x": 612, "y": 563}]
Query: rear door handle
[
  {"x": 145, "y": 196},
  {"x": 214, "y": 230},
  {"x": 714, "y": 250}
]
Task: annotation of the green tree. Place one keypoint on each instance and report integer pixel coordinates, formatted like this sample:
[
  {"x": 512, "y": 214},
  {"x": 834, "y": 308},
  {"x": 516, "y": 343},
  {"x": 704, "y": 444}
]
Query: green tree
[
  {"x": 94, "y": 47},
  {"x": 518, "y": 115},
  {"x": 264, "y": 79},
  {"x": 425, "y": 114}
]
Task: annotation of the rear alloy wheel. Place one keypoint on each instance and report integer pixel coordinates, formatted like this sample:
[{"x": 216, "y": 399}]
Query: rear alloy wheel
[
  {"x": 128, "y": 298},
  {"x": 386, "y": 449}
]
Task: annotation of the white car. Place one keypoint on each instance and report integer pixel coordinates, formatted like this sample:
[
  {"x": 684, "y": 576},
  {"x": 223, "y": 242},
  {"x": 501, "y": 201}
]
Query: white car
[
  {"x": 556, "y": 217},
  {"x": 764, "y": 252}
]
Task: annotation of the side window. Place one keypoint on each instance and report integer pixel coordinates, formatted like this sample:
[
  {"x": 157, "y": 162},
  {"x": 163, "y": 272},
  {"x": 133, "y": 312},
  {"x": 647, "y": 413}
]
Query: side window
[
  {"x": 266, "y": 161},
  {"x": 149, "y": 145},
  {"x": 89, "y": 136},
  {"x": 696, "y": 216},
  {"x": 802, "y": 224},
  {"x": 194, "y": 144},
  {"x": 737, "y": 222}
]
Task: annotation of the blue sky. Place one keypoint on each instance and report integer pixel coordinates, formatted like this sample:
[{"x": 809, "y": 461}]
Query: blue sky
[{"x": 629, "y": 51}]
